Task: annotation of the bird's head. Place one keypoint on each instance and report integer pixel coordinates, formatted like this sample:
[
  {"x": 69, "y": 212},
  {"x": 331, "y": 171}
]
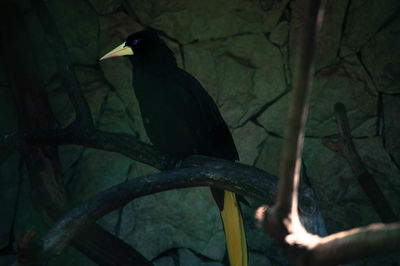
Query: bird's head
[{"x": 143, "y": 47}]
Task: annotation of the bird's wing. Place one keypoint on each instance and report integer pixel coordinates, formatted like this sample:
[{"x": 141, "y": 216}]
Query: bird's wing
[
  {"x": 203, "y": 117},
  {"x": 216, "y": 140}
]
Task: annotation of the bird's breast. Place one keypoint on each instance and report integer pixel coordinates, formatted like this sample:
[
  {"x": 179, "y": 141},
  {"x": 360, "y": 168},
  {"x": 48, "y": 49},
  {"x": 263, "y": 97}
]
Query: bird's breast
[{"x": 162, "y": 121}]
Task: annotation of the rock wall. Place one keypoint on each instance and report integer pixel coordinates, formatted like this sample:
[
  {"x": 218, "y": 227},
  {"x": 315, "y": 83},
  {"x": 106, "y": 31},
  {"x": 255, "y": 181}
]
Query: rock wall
[{"x": 243, "y": 54}]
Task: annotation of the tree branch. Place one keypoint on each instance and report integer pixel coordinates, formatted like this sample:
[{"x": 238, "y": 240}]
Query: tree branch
[
  {"x": 281, "y": 221},
  {"x": 239, "y": 178},
  {"x": 56, "y": 42},
  {"x": 356, "y": 243},
  {"x": 48, "y": 194},
  {"x": 345, "y": 148},
  {"x": 116, "y": 142},
  {"x": 289, "y": 170},
  {"x": 302, "y": 247}
]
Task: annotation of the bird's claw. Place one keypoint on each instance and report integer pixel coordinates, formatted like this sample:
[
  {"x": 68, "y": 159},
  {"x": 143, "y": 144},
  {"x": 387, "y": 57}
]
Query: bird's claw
[
  {"x": 164, "y": 162},
  {"x": 178, "y": 164},
  {"x": 169, "y": 163}
]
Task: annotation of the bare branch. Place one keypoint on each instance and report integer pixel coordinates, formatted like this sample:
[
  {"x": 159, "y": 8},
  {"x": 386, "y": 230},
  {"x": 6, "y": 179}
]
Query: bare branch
[
  {"x": 239, "y": 178},
  {"x": 47, "y": 191},
  {"x": 282, "y": 219},
  {"x": 242, "y": 179},
  {"x": 345, "y": 148},
  {"x": 116, "y": 142},
  {"x": 291, "y": 154},
  {"x": 56, "y": 42},
  {"x": 311, "y": 250},
  {"x": 356, "y": 243}
]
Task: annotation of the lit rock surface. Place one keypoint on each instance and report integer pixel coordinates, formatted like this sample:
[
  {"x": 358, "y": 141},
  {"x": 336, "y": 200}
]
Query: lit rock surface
[
  {"x": 392, "y": 126},
  {"x": 330, "y": 36},
  {"x": 190, "y": 218},
  {"x": 217, "y": 64},
  {"x": 269, "y": 155},
  {"x": 78, "y": 25},
  {"x": 8, "y": 197},
  {"x": 343, "y": 202},
  {"x": 94, "y": 88},
  {"x": 258, "y": 259},
  {"x": 104, "y": 7},
  {"x": 382, "y": 58},
  {"x": 248, "y": 140},
  {"x": 364, "y": 20},
  {"x": 279, "y": 36},
  {"x": 47, "y": 69},
  {"x": 204, "y": 20},
  {"x": 187, "y": 257},
  {"x": 346, "y": 82}
]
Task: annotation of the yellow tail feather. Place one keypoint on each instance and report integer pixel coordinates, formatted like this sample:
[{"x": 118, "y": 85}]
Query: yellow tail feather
[{"x": 234, "y": 230}]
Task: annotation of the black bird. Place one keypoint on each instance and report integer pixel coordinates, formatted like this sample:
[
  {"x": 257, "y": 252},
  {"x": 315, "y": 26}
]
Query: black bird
[{"x": 181, "y": 119}]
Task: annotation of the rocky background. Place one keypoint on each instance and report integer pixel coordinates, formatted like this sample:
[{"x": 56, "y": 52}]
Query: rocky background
[{"x": 242, "y": 52}]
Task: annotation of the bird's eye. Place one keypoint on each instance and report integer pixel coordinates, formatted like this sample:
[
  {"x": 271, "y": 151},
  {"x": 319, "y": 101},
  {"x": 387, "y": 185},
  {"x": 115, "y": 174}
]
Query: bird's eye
[{"x": 137, "y": 42}]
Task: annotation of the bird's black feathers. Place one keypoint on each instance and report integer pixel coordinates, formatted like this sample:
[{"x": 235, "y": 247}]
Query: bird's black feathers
[
  {"x": 150, "y": 52},
  {"x": 180, "y": 117}
]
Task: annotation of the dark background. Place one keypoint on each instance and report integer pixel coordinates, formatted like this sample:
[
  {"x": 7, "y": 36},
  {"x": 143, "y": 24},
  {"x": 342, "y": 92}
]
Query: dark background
[{"x": 242, "y": 52}]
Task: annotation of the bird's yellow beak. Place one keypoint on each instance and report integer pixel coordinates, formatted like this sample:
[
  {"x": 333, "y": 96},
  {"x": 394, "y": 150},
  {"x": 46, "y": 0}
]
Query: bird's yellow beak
[{"x": 121, "y": 50}]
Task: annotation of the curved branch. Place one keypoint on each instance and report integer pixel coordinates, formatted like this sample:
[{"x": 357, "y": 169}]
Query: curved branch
[
  {"x": 239, "y": 178},
  {"x": 242, "y": 179},
  {"x": 116, "y": 142}
]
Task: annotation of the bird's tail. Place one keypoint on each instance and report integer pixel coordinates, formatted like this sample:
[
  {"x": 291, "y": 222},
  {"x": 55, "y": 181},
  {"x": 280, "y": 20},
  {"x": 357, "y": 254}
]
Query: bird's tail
[{"x": 234, "y": 230}]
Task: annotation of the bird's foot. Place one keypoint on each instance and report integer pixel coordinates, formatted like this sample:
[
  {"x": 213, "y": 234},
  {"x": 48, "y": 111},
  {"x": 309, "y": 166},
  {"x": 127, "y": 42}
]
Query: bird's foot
[
  {"x": 164, "y": 162},
  {"x": 170, "y": 163},
  {"x": 178, "y": 164}
]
